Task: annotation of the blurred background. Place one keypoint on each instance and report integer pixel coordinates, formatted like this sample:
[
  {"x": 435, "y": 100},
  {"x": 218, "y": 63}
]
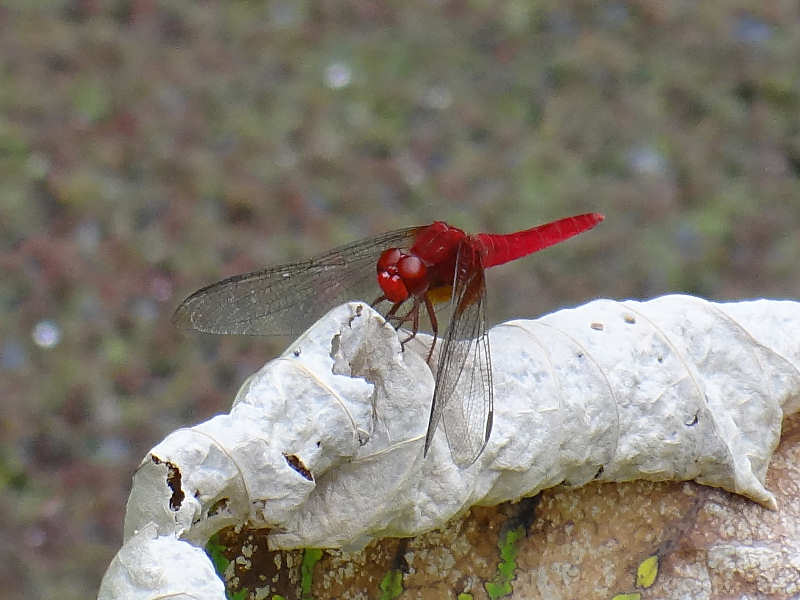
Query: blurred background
[{"x": 150, "y": 147}]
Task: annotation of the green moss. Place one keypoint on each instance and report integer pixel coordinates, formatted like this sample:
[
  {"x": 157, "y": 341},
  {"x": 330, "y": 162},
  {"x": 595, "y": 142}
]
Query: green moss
[
  {"x": 501, "y": 584},
  {"x": 391, "y": 585},
  {"x": 215, "y": 552},
  {"x": 311, "y": 557}
]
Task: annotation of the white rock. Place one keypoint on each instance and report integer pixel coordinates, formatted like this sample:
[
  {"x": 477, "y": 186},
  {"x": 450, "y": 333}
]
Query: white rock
[
  {"x": 150, "y": 566},
  {"x": 324, "y": 444}
]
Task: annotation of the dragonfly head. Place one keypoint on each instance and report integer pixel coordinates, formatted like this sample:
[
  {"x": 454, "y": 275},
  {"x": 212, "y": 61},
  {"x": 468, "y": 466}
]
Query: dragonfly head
[{"x": 401, "y": 275}]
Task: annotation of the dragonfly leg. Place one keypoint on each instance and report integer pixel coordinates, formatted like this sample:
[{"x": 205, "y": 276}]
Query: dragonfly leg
[
  {"x": 378, "y": 300},
  {"x": 434, "y": 326},
  {"x": 400, "y": 319},
  {"x": 413, "y": 314},
  {"x": 391, "y": 316},
  {"x": 409, "y": 315}
]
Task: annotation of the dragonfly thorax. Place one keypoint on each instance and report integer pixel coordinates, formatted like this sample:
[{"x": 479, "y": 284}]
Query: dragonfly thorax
[{"x": 401, "y": 275}]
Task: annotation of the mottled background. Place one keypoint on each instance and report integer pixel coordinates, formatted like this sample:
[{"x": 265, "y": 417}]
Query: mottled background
[{"x": 149, "y": 147}]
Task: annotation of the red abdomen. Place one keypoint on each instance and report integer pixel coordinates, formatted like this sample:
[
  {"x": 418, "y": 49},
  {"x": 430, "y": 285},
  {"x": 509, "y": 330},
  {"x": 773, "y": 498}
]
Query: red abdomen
[{"x": 501, "y": 248}]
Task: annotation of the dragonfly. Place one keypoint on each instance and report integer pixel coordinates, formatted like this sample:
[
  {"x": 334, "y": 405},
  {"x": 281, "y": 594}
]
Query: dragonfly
[{"x": 413, "y": 269}]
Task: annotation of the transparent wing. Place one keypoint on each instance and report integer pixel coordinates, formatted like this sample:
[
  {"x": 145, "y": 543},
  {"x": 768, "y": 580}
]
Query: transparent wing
[
  {"x": 286, "y": 299},
  {"x": 463, "y": 395}
]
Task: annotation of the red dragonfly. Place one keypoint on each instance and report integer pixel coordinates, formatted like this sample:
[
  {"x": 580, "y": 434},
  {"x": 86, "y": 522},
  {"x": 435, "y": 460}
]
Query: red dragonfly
[{"x": 417, "y": 266}]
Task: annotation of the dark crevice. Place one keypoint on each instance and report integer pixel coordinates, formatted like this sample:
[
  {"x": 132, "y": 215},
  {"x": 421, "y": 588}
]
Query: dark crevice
[
  {"x": 297, "y": 464},
  {"x": 174, "y": 483}
]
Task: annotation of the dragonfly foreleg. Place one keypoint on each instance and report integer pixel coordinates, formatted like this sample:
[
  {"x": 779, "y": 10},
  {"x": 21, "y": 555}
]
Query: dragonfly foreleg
[
  {"x": 378, "y": 300},
  {"x": 391, "y": 316}
]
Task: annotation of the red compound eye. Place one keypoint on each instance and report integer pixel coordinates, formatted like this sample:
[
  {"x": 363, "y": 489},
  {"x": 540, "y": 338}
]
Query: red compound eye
[
  {"x": 388, "y": 278},
  {"x": 389, "y": 258},
  {"x": 413, "y": 272},
  {"x": 393, "y": 287}
]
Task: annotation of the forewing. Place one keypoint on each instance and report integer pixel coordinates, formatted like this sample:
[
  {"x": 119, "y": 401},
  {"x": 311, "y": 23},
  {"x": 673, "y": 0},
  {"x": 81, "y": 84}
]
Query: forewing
[
  {"x": 463, "y": 394},
  {"x": 286, "y": 299}
]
